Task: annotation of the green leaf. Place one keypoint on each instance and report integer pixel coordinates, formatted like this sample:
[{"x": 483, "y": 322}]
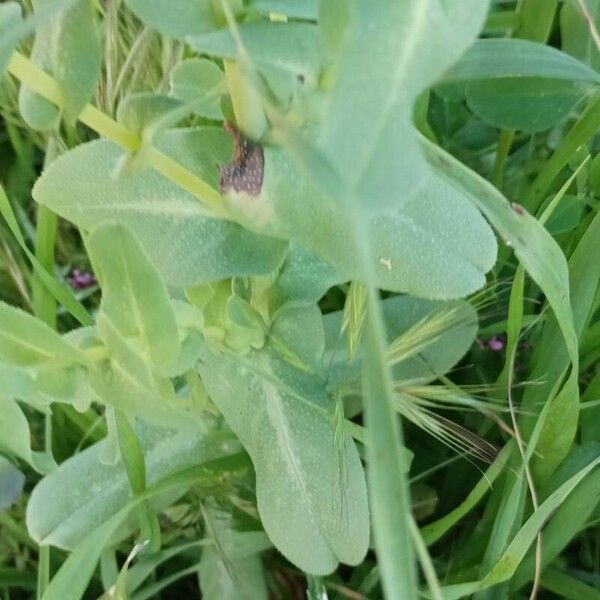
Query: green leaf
[
  {"x": 418, "y": 247},
  {"x": 303, "y": 279},
  {"x": 175, "y": 18},
  {"x": 561, "y": 426},
  {"x": 183, "y": 242},
  {"x": 10, "y": 17},
  {"x": 513, "y": 58},
  {"x": 134, "y": 296},
  {"x": 533, "y": 245},
  {"x": 400, "y": 314},
  {"x": 297, "y": 335},
  {"x": 27, "y": 341},
  {"x": 366, "y": 151},
  {"x": 286, "y": 53},
  {"x": 387, "y": 466},
  {"x": 66, "y": 506},
  {"x": 11, "y": 483},
  {"x": 15, "y": 437},
  {"x": 312, "y": 505},
  {"x": 526, "y": 104},
  {"x": 197, "y": 77},
  {"x": 68, "y": 47},
  {"x": 230, "y": 568},
  {"x": 547, "y": 266},
  {"x": 138, "y": 110}
]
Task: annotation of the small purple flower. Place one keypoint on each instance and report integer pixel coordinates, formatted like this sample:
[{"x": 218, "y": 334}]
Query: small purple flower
[
  {"x": 495, "y": 344},
  {"x": 79, "y": 280}
]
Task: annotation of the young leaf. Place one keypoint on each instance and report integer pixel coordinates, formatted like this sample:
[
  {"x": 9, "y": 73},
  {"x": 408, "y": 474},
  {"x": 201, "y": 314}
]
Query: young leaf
[
  {"x": 197, "y": 77},
  {"x": 134, "y": 296}
]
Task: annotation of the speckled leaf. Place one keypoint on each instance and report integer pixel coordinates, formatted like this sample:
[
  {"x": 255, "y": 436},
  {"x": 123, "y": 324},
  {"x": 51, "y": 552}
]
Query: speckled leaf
[
  {"x": 378, "y": 156},
  {"x": 186, "y": 245},
  {"x": 311, "y": 494},
  {"x": 435, "y": 244},
  {"x": 231, "y": 568},
  {"x": 287, "y": 53},
  {"x": 134, "y": 296},
  {"x": 84, "y": 492}
]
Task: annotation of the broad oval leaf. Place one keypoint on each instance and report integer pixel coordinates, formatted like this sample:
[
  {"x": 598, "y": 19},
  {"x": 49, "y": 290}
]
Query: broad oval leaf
[
  {"x": 505, "y": 58},
  {"x": 435, "y": 244},
  {"x": 83, "y": 492},
  {"x": 527, "y": 104},
  {"x": 311, "y": 494},
  {"x": 414, "y": 41},
  {"x": 183, "y": 242}
]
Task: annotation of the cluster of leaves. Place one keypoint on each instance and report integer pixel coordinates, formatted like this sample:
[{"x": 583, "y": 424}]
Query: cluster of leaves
[{"x": 290, "y": 216}]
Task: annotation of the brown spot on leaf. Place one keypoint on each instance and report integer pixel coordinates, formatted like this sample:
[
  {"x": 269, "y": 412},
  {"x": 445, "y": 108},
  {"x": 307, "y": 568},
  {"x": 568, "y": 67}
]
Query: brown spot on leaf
[
  {"x": 517, "y": 208},
  {"x": 246, "y": 170}
]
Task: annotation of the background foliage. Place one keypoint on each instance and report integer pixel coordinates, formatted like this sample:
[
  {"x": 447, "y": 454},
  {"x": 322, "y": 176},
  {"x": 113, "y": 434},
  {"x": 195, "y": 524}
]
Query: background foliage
[{"x": 299, "y": 299}]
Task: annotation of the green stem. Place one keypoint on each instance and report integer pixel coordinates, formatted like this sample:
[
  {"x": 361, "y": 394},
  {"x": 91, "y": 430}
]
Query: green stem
[
  {"x": 584, "y": 128},
  {"x": 42, "y": 83}
]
